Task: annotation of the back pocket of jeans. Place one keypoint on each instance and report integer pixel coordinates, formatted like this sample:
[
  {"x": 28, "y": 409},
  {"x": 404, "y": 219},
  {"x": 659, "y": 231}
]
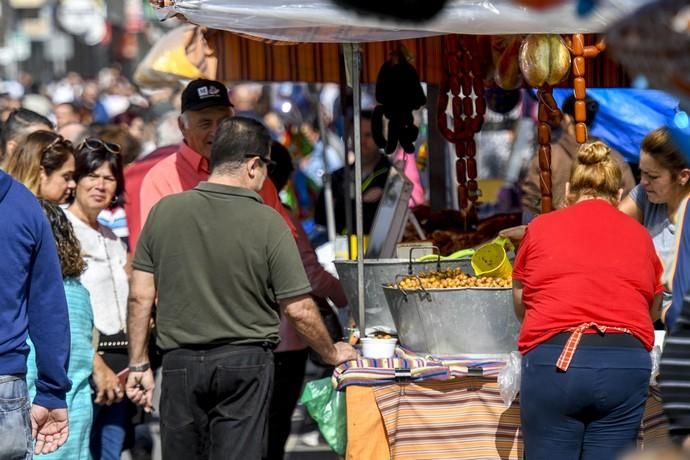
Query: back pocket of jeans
[
  {"x": 176, "y": 411},
  {"x": 15, "y": 422},
  {"x": 242, "y": 389},
  {"x": 13, "y": 395}
]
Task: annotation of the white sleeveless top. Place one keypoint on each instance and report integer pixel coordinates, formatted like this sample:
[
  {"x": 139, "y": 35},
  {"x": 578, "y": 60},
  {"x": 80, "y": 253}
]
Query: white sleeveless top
[{"x": 105, "y": 277}]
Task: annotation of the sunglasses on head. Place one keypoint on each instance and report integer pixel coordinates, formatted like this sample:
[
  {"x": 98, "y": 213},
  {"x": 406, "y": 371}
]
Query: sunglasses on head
[
  {"x": 58, "y": 140},
  {"x": 97, "y": 144}
]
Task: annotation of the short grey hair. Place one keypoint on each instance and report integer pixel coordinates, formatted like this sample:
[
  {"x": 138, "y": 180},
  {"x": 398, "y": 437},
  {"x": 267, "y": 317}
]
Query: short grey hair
[
  {"x": 185, "y": 119},
  {"x": 167, "y": 129}
]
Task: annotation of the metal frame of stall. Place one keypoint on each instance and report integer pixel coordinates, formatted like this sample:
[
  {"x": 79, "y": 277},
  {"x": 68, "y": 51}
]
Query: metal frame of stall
[{"x": 353, "y": 61}]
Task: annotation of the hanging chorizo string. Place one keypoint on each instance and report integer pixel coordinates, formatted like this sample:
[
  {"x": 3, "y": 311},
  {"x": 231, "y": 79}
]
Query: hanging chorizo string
[
  {"x": 463, "y": 86},
  {"x": 548, "y": 111},
  {"x": 580, "y": 52}
]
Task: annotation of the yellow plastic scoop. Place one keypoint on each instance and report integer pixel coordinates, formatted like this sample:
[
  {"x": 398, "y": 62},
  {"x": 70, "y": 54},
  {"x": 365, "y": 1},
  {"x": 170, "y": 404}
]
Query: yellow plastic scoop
[{"x": 492, "y": 259}]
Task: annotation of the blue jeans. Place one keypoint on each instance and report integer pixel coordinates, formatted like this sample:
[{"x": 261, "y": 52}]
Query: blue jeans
[
  {"x": 591, "y": 412},
  {"x": 109, "y": 430},
  {"x": 15, "y": 419}
]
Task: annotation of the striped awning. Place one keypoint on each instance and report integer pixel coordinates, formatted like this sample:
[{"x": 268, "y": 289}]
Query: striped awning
[{"x": 241, "y": 58}]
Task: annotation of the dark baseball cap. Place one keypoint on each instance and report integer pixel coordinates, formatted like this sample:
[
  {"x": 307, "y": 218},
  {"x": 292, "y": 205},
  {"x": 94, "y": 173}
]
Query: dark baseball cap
[{"x": 201, "y": 94}]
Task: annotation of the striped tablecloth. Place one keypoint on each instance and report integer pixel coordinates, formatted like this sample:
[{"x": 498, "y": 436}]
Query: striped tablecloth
[
  {"x": 463, "y": 418},
  {"x": 409, "y": 367},
  {"x": 444, "y": 410}
]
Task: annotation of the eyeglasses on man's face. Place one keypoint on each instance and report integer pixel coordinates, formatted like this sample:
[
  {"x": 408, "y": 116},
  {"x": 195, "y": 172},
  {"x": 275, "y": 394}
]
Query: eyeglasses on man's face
[{"x": 270, "y": 164}]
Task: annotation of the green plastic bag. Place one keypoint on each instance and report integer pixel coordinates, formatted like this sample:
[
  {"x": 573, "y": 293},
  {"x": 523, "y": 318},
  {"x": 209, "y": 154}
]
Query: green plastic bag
[{"x": 327, "y": 407}]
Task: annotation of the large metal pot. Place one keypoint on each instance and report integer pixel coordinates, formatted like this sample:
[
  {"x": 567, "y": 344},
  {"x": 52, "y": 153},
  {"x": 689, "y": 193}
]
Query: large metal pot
[
  {"x": 469, "y": 321},
  {"x": 378, "y": 272}
]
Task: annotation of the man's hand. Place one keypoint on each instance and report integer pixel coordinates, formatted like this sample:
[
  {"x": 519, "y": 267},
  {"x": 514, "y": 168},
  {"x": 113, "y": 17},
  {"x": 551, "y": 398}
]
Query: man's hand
[
  {"x": 343, "y": 352},
  {"x": 49, "y": 428},
  {"x": 140, "y": 386}
]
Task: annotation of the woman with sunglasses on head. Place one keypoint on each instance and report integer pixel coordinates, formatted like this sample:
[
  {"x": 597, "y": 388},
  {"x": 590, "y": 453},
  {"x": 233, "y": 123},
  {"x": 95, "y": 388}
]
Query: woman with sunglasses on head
[
  {"x": 44, "y": 163},
  {"x": 100, "y": 185}
]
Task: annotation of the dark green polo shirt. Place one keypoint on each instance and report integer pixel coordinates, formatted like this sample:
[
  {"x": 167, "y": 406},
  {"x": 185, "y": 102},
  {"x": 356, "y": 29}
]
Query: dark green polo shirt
[{"x": 220, "y": 259}]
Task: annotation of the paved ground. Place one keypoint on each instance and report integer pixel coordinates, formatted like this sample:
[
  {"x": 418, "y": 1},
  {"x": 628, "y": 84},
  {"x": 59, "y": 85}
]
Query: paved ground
[{"x": 305, "y": 443}]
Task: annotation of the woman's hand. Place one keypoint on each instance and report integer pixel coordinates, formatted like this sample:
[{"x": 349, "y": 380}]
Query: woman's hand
[
  {"x": 515, "y": 234},
  {"x": 108, "y": 388}
]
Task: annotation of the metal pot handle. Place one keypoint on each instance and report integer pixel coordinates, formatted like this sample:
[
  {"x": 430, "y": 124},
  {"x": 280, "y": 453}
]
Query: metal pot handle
[
  {"x": 423, "y": 294},
  {"x": 438, "y": 258}
]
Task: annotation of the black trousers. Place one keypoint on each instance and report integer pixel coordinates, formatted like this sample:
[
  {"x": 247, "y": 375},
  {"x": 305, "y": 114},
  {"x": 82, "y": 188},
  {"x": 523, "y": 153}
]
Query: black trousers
[
  {"x": 214, "y": 402},
  {"x": 288, "y": 379}
]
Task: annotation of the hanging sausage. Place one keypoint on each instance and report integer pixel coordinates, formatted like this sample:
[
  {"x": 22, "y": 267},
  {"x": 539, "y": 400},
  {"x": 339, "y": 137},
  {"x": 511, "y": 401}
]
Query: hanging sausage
[
  {"x": 580, "y": 52},
  {"x": 463, "y": 88},
  {"x": 545, "y": 61}
]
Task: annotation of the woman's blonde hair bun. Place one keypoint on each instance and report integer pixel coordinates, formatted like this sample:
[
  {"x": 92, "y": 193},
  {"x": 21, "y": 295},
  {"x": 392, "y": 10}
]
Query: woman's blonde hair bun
[
  {"x": 593, "y": 153},
  {"x": 595, "y": 173}
]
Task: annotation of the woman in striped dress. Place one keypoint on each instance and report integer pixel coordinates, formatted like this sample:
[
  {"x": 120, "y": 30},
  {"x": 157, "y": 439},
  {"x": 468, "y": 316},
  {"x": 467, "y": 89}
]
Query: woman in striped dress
[{"x": 79, "y": 404}]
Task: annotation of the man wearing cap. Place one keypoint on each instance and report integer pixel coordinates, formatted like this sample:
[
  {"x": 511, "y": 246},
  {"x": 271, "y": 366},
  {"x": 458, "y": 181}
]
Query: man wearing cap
[
  {"x": 216, "y": 314},
  {"x": 205, "y": 103}
]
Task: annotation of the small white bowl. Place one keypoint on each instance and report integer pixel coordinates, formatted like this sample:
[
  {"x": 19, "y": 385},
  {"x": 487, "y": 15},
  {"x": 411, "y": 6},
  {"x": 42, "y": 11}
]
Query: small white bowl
[{"x": 378, "y": 348}]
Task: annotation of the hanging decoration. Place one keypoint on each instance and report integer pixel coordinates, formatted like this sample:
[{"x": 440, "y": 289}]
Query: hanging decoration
[
  {"x": 398, "y": 93},
  {"x": 504, "y": 56},
  {"x": 406, "y": 10},
  {"x": 547, "y": 114},
  {"x": 462, "y": 90},
  {"x": 544, "y": 60},
  {"x": 580, "y": 52}
]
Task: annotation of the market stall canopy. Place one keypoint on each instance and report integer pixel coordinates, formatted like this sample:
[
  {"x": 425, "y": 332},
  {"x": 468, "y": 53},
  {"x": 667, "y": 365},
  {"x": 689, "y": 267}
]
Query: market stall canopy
[
  {"x": 321, "y": 21},
  {"x": 247, "y": 59}
]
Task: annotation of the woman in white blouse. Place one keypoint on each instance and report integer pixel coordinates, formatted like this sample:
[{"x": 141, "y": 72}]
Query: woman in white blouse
[{"x": 100, "y": 185}]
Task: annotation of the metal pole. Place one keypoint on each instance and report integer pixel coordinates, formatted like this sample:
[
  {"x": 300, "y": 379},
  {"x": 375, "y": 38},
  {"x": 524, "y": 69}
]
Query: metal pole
[
  {"x": 327, "y": 183},
  {"x": 347, "y": 139},
  {"x": 315, "y": 96},
  {"x": 357, "y": 106}
]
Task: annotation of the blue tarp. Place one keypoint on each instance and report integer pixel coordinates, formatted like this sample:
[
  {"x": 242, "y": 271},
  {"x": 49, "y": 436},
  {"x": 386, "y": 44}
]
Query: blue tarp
[{"x": 626, "y": 115}]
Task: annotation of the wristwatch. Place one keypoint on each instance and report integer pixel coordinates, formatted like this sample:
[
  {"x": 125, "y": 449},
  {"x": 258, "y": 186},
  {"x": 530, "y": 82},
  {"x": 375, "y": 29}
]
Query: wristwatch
[{"x": 140, "y": 368}]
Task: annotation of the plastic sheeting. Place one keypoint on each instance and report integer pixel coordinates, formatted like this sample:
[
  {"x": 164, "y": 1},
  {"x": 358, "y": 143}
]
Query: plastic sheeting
[
  {"x": 626, "y": 116},
  {"x": 322, "y": 21}
]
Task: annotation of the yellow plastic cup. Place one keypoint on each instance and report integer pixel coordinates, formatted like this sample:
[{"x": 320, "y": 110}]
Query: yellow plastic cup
[
  {"x": 353, "y": 245},
  {"x": 492, "y": 259}
]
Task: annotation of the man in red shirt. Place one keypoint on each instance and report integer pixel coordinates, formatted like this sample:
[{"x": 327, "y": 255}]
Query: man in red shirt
[{"x": 205, "y": 103}]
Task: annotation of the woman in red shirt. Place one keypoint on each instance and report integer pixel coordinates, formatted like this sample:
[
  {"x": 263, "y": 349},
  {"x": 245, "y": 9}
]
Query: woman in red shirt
[{"x": 586, "y": 288}]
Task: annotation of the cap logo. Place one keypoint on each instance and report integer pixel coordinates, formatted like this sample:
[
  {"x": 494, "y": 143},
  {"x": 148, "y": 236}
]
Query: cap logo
[{"x": 207, "y": 91}]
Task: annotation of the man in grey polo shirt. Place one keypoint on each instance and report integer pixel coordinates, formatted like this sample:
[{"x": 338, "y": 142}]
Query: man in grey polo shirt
[{"x": 218, "y": 260}]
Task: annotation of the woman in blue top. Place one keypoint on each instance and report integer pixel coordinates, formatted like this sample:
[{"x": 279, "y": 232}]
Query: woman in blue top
[
  {"x": 664, "y": 184},
  {"x": 79, "y": 404}
]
